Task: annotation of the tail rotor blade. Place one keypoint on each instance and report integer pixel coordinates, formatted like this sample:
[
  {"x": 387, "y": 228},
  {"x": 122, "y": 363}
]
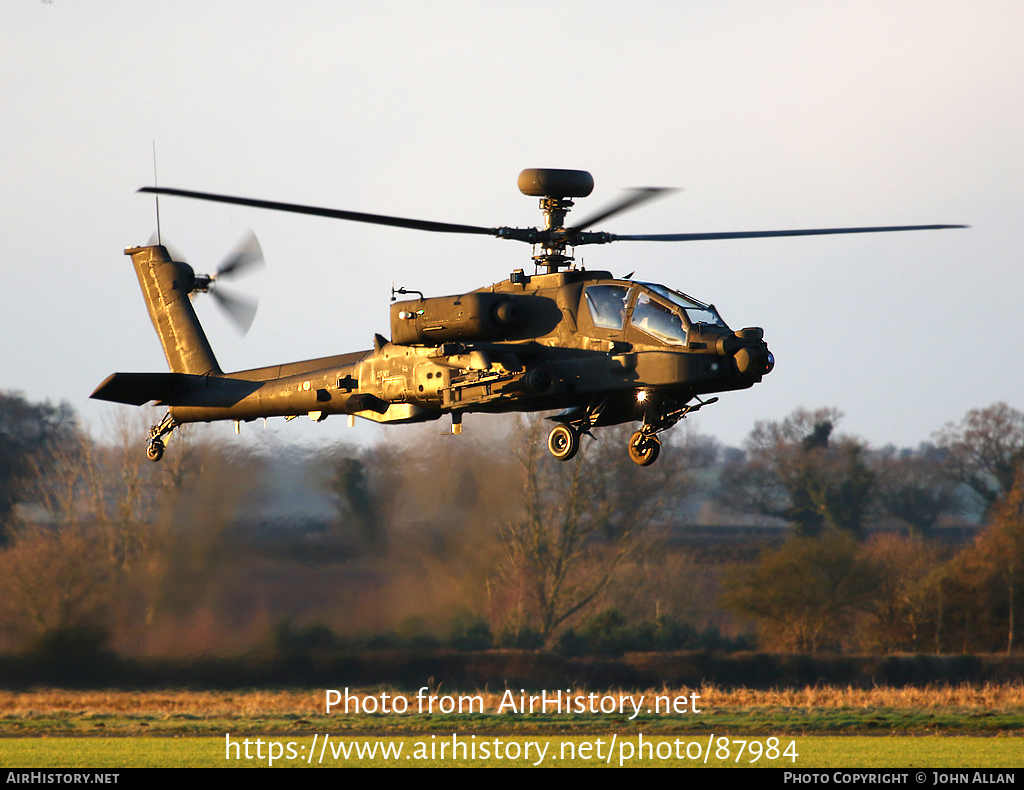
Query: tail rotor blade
[
  {"x": 247, "y": 256},
  {"x": 240, "y": 309}
]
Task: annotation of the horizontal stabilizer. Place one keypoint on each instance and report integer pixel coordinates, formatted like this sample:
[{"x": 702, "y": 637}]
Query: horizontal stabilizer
[{"x": 174, "y": 389}]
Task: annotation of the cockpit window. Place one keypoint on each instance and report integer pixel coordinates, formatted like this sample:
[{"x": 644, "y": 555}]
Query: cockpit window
[
  {"x": 658, "y": 321},
  {"x": 607, "y": 304},
  {"x": 696, "y": 313}
]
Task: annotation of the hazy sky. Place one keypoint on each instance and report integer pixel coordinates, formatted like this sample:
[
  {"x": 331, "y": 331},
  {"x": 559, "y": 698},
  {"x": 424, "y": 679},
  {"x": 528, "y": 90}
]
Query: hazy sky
[{"x": 769, "y": 115}]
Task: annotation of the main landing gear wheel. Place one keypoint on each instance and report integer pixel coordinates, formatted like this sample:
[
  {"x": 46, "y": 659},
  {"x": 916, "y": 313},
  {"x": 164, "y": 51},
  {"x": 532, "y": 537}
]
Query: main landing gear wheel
[
  {"x": 563, "y": 442},
  {"x": 158, "y": 435},
  {"x": 155, "y": 450},
  {"x": 643, "y": 450}
]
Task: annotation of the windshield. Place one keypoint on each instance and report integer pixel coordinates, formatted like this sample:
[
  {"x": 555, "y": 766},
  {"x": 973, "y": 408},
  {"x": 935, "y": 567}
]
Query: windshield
[
  {"x": 658, "y": 321},
  {"x": 607, "y": 304},
  {"x": 696, "y": 313}
]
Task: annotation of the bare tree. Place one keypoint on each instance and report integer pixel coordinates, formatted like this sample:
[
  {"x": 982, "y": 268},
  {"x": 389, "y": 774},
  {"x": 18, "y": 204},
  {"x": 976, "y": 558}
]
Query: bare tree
[
  {"x": 580, "y": 520},
  {"x": 26, "y": 430},
  {"x": 110, "y": 486},
  {"x": 985, "y": 450},
  {"x": 915, "y": 487},
  {"x": 64, "y": 480},
  {"x": 798, "y": 471},
  {"x": 112, "y": 537},
  {"x": 52, "y": 580}
]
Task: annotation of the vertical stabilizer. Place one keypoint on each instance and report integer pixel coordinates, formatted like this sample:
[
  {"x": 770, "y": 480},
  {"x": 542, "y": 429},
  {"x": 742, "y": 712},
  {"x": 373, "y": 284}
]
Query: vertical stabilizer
[{"x": 166, "y": 286}]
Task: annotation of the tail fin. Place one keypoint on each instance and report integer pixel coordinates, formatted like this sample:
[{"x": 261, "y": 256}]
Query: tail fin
[{"x": 166, "y": 285}]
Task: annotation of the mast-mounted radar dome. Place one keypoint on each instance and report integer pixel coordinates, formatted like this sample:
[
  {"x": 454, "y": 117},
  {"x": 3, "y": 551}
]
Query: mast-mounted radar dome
[{"x": 546, "y": 182}]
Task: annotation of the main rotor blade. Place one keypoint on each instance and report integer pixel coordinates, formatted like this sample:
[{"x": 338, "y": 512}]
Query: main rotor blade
[
  {"x": 760, "y": 234},
  {"x": 239, "y": 309},
  {"x": 354, "y": 216},
  {"x": 638, "y": 195},
  {"x": 247, "y": 255}
]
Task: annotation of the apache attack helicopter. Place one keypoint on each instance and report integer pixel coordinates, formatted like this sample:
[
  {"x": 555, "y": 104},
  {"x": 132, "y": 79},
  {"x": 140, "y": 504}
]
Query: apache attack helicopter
[{"x": 604, "y": 350}]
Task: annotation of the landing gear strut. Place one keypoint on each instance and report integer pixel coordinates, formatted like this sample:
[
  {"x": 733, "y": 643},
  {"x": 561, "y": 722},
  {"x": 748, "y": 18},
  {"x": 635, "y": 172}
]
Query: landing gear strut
[
  {"x": 157, "y": 444},
  {"x": 574, "y": 422},
  {"x": 644, "y": 445}
]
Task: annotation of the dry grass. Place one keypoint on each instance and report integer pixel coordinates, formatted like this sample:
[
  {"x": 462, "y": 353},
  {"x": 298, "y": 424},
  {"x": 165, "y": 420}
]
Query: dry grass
[
  {"x": 160, "y": 703},
  {"x": 989, "y": 696},
  {"x": 215, "y": 704}
]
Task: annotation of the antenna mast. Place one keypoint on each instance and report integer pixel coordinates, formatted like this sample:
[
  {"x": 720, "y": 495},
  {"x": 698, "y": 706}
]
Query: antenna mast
[{"x": 157, "y": 196}]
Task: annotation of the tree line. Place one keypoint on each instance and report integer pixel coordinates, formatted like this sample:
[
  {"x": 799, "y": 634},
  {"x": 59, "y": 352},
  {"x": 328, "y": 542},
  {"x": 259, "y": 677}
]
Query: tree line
[
  {"x": 832, "y": 586},
  {"x": 486, "y": 543}
]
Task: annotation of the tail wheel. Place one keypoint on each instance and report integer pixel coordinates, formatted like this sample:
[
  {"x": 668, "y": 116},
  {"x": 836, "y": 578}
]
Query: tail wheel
[
  {"x": 643, "y": 450},
  {"x": 563, "y": 442},
  {"x": 155, "y": 450}
]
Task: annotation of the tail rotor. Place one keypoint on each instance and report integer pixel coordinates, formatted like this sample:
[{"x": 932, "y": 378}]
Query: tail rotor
[{"x": 246, "y": 258}]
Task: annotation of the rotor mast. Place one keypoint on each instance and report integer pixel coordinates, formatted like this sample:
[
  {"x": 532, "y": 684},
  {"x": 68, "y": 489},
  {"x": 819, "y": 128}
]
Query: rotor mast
[{"x": 555, "y": 188}]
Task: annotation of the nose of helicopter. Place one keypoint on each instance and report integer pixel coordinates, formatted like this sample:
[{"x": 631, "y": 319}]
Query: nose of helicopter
[
  {"x": 751, "y": 360},
  {"x": 752, "y": 356}
]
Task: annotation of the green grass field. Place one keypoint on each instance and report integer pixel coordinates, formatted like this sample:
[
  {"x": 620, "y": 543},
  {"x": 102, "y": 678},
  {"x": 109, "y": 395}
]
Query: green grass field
[{"x": 811, "y": 751}]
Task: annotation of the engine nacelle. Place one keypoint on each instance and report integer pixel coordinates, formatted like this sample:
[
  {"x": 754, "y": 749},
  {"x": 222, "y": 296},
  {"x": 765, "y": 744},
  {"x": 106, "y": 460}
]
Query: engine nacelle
[{"x": 444, "y": 319}]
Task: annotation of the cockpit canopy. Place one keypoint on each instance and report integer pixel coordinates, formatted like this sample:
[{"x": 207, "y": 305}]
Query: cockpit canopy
[
  {"x": 696, "y": 312},
  {"x": 657, "y": 311}
]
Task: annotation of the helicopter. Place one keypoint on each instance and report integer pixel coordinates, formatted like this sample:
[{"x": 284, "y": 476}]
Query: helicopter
[{"x": 597, "y": 349}]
